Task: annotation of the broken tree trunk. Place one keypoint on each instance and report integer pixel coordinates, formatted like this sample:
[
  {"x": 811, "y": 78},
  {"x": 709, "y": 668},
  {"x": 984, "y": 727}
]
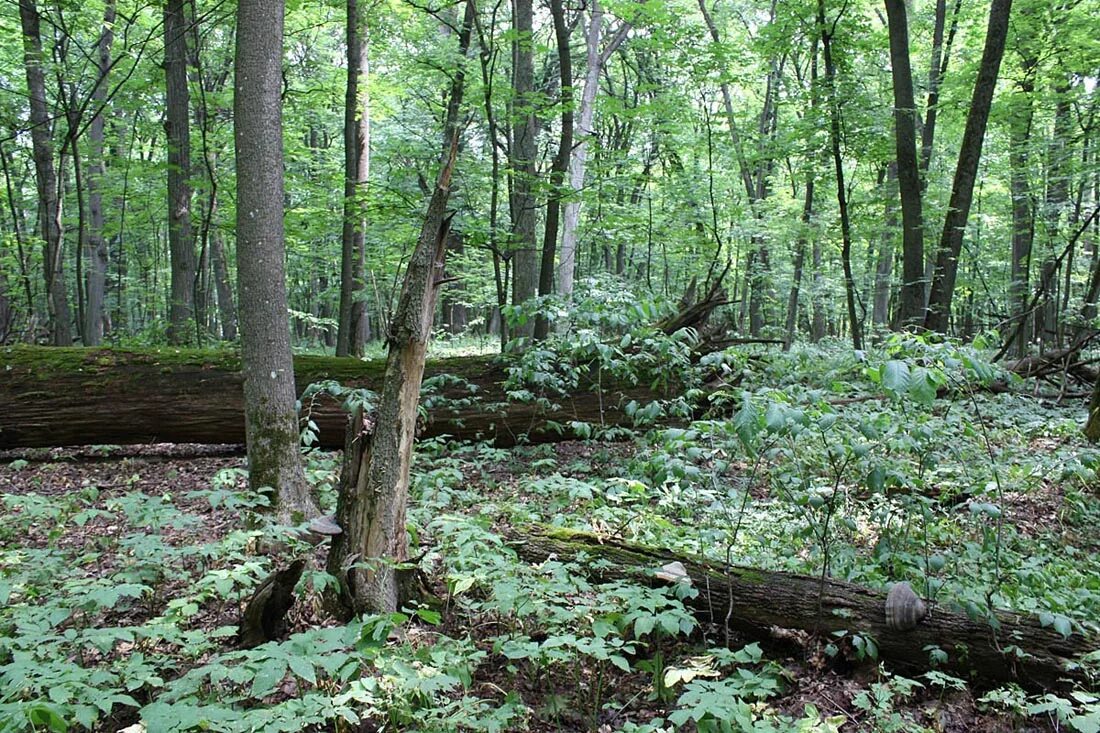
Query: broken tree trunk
[
  {"x": 73, "y": 396},
  {"x": 759, "y": 602},
  {"x": 374, "y": 487}
]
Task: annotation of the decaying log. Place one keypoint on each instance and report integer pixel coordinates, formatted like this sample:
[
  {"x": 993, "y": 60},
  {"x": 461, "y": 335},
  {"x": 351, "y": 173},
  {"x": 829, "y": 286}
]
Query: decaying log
[
  {"x": 74, "y": 396},
  {"x": 757, "y": 603}
]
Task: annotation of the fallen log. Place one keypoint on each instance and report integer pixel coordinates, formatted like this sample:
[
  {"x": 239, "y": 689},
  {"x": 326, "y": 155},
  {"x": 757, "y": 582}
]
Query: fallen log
[
  {"x": 758, "y": 603},
  {"x": 75, "y": 396}
]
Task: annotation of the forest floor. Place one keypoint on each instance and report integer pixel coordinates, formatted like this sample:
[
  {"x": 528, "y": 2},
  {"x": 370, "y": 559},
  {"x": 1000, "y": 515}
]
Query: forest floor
[{"x": 143, "y": 556}]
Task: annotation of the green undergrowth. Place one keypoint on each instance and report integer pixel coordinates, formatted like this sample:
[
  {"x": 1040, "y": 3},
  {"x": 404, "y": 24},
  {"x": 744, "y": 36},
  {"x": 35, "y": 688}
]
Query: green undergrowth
[{"x": 118, "y": 607}]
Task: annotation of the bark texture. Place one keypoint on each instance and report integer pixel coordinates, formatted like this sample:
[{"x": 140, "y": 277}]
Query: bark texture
[
  {"x": 74, "y": 396},
  {"x": 271, "y": 418},
  {"x": 375, "y": 483},
  {"x": 756, "y": 602},
  {"x": 45, "y": 176},
  {"x": 525, "y": 257},
  {"x": 181, "y": 246}
]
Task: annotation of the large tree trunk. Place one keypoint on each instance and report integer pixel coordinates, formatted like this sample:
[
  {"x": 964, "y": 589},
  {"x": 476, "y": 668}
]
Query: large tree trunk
[
  {"x": 351, "y": 330},
  {"x": 911, "y": 301},
  {"x": 525, "y": 260},
  {"x": 1023, "y": 227},
  {"x": 271, "y": 417},
  {"x": 758, "y": 602},
  {"x": 45, "y": 175},
  {"x": 966, "y": 171},
  {"x": 54, "y": 397},
  {"x": 375, "y": 483},
  {"x": 1092, "y": 427},
  {"x": 181, "y": 306}
]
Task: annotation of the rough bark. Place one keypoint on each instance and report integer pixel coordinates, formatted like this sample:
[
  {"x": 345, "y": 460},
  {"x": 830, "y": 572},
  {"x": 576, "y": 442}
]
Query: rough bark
[
  {"x": 181, "y": 246},
  {"x": 911, "y": 300},
  {"x": 75, "y": 396},
  {"x": 375, "y": 483},
  {"x": 525, "y": 260},
  {"x": 45, "y": 175},
  {"x": 880, "y": 308},
  {"x": 758, "y": 602},
  {"x": 1023, "y": 226},
  {"x": 271, "y": 419},
  {"x": 966, "y": 171},
  {"x": 351, "y": 329},
  {"x": 1092, "y": 427}
]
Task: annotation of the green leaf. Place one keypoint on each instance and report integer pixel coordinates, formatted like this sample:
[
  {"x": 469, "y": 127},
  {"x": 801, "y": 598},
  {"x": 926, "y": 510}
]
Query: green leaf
[
  {"x": 267, "y": 677},
  {"x": 302, "y": 668},
  {"x": 895, "y": 377}
]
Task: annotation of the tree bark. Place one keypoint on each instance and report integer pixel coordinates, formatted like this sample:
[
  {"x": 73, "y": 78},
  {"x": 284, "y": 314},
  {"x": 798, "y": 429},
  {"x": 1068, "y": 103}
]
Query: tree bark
[
  {"x": 596, "y": 59},
  {"x": 1092, "y": 427},
  {"x": 758, "y": 602},
  {"x": 911, "y": 300},
  {"x": 966, "y": 171},
  {"x": 1023, "y": 225},
  {"x": 375, "y": 483},
  {"x": 351, "y": 329},
  {"x": 45, "y": 174},
  {"x": 271, "y": 418},
  {"x": 525, "y": 261},
  {"x": 55, "y": 397},
  {"x": 880, "y": 308},
  {"x": 838, "y": 165},
  {"x": 561, "y": 163},
  {"x": 181, "y": 247}
]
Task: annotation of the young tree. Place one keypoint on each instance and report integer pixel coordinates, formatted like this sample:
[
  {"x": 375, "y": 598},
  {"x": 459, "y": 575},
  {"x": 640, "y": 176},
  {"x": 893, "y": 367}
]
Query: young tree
[
  {"x": 181, "y": 306},
  {"x": 271, "y": 417}
]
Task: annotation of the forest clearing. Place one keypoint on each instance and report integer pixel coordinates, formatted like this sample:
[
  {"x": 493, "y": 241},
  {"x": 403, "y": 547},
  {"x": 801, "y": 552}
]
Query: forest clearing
[{"x": 619, "y": 366}]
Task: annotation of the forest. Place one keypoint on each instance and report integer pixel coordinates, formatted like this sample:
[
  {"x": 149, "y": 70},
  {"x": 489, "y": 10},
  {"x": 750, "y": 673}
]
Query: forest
[{"x": 626, "y": 366}]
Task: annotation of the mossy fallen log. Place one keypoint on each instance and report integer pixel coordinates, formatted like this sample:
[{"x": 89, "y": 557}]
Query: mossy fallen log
[
  {"x": 759, "y": 603},
  {"x": 75, "y": 396}
]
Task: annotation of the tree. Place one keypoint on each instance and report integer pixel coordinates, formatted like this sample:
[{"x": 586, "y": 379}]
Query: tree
[
  {"x": 375, "y": 480},
  {"x": 351, "y": 327},
  {"x": 181, "y": 304},
  {"x": 271, "y": 417},
  {"x": 966, "y": 171},
  {"x": 49, "y": 196},
  {"x": 911, "y": 302},
  {"x": 523, "y": 153}
]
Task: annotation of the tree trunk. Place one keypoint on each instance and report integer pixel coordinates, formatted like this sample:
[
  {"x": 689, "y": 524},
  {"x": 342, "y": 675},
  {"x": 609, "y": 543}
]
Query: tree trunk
[
  {"x": 880, "y": 308},
  {"x": 375, "y": 482},
  {"x": 596, "y": 59},
  {"x": 1023, "y": 226},
  {"x": 1092, "y": 427},
  {"x": 561, "y": 163},
  {"x": 351, "y": 331},
  {"x": 911, "y": 300},
  {"x": 838, "y": 165},
  {"x": 966, "y": 171},
  {"x": 800, "y": 257},
  {"x": 761, "y": 603},
  {"x": 54, "y": 397},
  {"x": 525, "y": 261},
  {"x": 181, "y": 247},
  {"x": 96, "y": 278},
  {"x": 49, "y": 196},
  {"x": 271, "y": 418}
]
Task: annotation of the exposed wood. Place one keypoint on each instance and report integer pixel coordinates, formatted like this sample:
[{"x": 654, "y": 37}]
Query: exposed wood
[
  {"x": 757, "y": 603},
  {"x": 264, "y": 618}
]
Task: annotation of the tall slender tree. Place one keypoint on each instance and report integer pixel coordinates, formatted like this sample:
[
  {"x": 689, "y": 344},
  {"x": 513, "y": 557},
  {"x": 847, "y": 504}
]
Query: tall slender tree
[
  {"x": 351, "y": 326},
  {"x": 966, "y": 171},
  {"x": 46, "y": 179},
  {"x": 95, "y": 312},
  {"x": 181, "y": 306},
  {"x": 524, "y": 150}
]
